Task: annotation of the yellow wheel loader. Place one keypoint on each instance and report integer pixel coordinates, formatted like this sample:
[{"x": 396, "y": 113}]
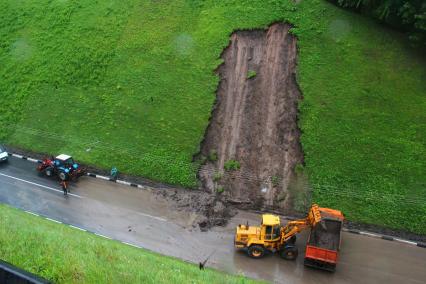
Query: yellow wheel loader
[{"x": 273, "y": 237}]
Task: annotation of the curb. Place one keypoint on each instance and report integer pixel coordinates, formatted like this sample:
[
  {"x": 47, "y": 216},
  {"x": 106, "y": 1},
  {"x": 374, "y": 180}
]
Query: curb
[
  {"x": 352, "y": 231},
  {"x": 384, "y": 237},
  {"x": 377, "y": 236},
  {"x": 123, "y": 182}
]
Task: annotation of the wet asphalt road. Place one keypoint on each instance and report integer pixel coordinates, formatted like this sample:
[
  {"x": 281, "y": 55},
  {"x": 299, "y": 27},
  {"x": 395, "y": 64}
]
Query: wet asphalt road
[{"x": 143, "y": 218}]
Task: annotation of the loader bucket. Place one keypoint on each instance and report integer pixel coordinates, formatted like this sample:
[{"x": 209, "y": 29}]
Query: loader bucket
[{"x": 314, "y": 215}]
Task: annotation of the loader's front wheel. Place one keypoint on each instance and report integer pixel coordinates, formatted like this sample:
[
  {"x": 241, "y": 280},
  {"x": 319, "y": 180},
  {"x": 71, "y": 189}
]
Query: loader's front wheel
[
  {"x": 256, "y": 251},
  {"x": 292, "y": 240},
  {"x": 289, "y": 253}
]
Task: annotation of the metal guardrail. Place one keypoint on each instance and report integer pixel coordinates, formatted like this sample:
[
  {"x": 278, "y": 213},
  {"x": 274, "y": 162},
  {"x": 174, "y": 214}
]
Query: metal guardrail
[{"x": 11, "y": 274}]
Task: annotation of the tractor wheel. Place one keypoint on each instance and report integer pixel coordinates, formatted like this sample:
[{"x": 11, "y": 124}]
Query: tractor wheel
[
  {"x": 63, "y": 176},
  {"x": 256, "y": 251},
  {"x": 289, "y": 253},
  {"x": 48, "y": 171}
]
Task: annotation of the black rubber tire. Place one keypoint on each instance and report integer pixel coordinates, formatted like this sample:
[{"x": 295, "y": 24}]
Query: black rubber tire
[
  {"x": 292, "y": 240},
  {"x": 48, "y": 171},
  {"x": 256, "y": 251},
  {"x": 63, "y": 176},
  {"x": 289, "y": 253}
]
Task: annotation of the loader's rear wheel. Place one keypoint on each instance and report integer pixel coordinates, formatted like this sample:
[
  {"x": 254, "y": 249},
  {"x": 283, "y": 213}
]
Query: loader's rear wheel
[
  {"x": 289, "y": 253},
  {"x": 256, "y": 251},
  {"x": 48, "y": 172}
]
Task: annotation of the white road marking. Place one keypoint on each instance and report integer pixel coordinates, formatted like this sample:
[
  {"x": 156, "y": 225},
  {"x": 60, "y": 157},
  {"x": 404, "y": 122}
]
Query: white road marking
[
  {"x": 103, "y": 236},
  {"x": 56, "y": 221},
  {"x": 32, "y": 160},
  {"x": 40, "y": 185},
  {"x": 17, "y": 156},
  {"x": 153, "y": 217},
  {"x": 129, "y": 244},
  {"x": 78, "y": 228},
  {"x": 29, "y": 212}
]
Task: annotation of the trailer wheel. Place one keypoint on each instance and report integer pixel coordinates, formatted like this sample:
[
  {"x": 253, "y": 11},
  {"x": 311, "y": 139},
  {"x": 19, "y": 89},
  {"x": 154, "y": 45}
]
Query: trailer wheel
[
  {"x": 48, "y": 171},
  {"x": 63, "y": 176},
  {"x": 256, "y": 251},
  {"x": 289, "y": 253}
]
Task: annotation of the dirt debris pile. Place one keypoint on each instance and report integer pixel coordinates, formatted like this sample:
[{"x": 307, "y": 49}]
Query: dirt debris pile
[
  {"x": 252, "y": 146},
  {"x": 210, "y": 210}
]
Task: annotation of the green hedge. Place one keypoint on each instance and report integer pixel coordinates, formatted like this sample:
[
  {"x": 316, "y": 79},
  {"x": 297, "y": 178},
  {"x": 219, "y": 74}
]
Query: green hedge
[{"x": 407, "y": 15}]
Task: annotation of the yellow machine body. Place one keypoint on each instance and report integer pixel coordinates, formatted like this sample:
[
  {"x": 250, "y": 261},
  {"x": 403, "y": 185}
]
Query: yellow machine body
[{"x": 271, "y": 236}]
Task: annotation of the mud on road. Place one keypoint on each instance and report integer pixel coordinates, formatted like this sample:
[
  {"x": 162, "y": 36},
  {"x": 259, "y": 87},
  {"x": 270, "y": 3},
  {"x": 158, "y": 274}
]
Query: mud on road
[{"x": 253, "y": 128}]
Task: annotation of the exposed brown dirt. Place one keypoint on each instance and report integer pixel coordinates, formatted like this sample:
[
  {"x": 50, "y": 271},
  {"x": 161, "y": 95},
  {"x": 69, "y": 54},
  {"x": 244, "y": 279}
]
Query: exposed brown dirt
[
  {"x": 254, "y": 121},
  {"x": 212, "y": 210}
]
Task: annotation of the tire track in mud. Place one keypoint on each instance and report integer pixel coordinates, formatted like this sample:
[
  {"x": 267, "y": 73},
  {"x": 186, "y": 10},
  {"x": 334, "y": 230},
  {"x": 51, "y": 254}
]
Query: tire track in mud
[{"x": 254, "y": 120}]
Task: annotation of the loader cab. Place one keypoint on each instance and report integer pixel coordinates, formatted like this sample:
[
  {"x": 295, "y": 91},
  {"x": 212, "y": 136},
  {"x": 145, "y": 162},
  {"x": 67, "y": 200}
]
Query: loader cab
[{"x": 271, "y": 228}]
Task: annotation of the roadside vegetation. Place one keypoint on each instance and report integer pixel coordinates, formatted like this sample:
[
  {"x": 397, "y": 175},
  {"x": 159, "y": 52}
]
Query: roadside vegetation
[
  {"x": 130, "y": 83},
  {"x": 406, "y": 15},
  {"x": 64, "y": 255}
]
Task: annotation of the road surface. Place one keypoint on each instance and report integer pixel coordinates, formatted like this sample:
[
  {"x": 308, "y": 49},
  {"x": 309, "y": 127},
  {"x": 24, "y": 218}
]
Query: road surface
[{"x": 143, "y": 218}]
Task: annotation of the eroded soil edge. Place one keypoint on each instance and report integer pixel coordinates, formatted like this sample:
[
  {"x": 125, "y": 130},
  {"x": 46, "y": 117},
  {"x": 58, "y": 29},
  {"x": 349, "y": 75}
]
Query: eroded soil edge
[{"x": 252, "y": 144}]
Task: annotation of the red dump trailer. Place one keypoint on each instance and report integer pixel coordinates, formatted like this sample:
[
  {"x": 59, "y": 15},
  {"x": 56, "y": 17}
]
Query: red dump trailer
[{"x": 322, "y": 249}]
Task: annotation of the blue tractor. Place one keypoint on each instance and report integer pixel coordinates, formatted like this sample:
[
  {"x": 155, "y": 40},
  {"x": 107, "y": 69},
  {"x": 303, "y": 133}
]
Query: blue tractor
[{"x": 62, "y": 166}]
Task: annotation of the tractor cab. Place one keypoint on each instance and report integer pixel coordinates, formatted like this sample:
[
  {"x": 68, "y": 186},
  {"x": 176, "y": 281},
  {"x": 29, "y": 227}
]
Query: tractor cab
[
  {"x": 64, "y": 161},
  {"x": 65, "y": 166},
  {"x": 271, "y": 227}
]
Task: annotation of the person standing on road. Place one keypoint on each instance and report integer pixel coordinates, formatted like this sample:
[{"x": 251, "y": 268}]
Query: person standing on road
[{"x": 64, "y": 187}]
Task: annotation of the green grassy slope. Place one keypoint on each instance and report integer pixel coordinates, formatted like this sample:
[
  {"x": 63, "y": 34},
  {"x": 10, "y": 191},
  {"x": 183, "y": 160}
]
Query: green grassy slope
[
  {"x": 64, "y": 255},
  {"x": 133, "y": 82}
]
